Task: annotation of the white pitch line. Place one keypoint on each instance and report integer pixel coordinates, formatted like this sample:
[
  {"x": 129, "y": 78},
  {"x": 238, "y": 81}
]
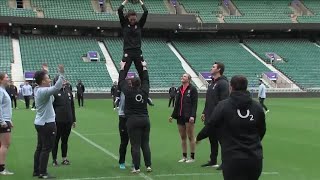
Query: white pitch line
[
  {"x": 105, "y": 151},
  {"x": 159, "y": 175}
]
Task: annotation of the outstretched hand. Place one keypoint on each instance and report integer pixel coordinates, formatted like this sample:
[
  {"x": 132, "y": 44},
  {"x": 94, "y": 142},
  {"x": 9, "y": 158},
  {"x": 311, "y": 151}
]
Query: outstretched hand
[{"x": 122, "y": 64}]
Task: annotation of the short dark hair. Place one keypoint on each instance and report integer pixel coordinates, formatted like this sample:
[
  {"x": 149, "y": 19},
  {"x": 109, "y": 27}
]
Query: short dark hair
[
  {"x": 136, "y": 82},
  {"x": 131, "y": 13},
  {"x": 220, "y": 66},
  {"x": 239, "y": 83},
  {"x": 39, "y": 76},
  {"x": 2, "y": 75}
]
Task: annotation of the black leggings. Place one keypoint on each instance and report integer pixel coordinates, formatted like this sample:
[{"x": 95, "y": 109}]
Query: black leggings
[
  {"x": 124, "y": 137},
  {"x": 63, "y": 133},
  {"x": 139, "y": 131},
  {"x": 242, "y": 169},
  {"x": 261, "y": 100}
]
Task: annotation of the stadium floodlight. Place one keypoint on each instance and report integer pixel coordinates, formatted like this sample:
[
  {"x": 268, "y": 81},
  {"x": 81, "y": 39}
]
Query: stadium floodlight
[
  {"x": 55, "y": 26},
  {"x": 98, "y": 27},
  {"x": 75, "y": 30},
  {"x": 34, "y": 28},
  {"x": 10, "y": 24}
]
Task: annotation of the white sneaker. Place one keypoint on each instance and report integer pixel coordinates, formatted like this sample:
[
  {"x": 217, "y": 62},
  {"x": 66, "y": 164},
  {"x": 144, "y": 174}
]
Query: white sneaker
[
  {"x": 215, "y": 166},
  {"x": 114, "y": 109},
  {"x": 33, "y": 109},
  {"x": 190, "y": 161},
  {"x": 267, "y": 111},
  {"x": 182, "y": 160},
  {"x": 135, "y": 170},
  {"x": 6, "y": 172},
  {"x": 149, "y": 169}
]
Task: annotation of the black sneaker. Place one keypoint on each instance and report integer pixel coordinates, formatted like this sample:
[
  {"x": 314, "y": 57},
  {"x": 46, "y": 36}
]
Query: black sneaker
[
  {"x": 65, "y": 162},
  {"x": 55, "y": 163},
  {"x": 35, "y": 174},
  {"x": 46, "y": 176}
]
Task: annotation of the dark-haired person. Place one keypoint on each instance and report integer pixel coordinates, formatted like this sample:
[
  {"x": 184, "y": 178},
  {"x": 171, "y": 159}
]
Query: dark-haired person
[
  {"x": 5, "y": 123},
  {"x": 136, "y": 112},
  {"x": 262, "y": 95},
  {"x": 241, "y": 126},
  {"x": 27, "y": 93},
  {"x": 185, "y": 112},
  {"x": 132, "y": 33},
  {"x": 114, "y": 94},
  {"x": 218, "y": 90},
  {"x": 63, "y": 105},
  {"x": 45, "y": 120},
  {"x": 13, "y": 93},
  {"x": 172, "y": 94},
  {"x": 80, "y": 92}
]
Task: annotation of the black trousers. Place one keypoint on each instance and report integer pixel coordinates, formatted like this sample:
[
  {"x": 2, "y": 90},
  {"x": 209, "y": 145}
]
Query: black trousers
[
  {"x": 113, "y": 101},
  {"x": 136, "y": 57},
  {"x": 80, "y": 99},
  {"x": 34, "y": 104},
  {"x": 242, "y": 169},
  {"x": 139, "y": 132},
  {"x": 261, "y": 100},
  {"x": 13, "y": 101},
  {"x": 124, "y": 139},
  {"x": 171, "y": 100},
  {"x": 214, "y": 146},
  {"x": 46, "y": 137},
  {"x": 63, "y": 133},
  {"x": 27, "y": 101}
]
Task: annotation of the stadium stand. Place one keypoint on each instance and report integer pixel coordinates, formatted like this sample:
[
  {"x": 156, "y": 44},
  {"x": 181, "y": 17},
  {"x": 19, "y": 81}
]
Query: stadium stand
[
  {"x": 71, "y": 9},
  {"x": 207, "y": 10},
  {"x": 314, "y": 6},
  {"x": 154, "y": 6},
  {"x": 36, "y": 50},
  {"x": 201, "y": 54},
  {"x": 165, "y": 68},
  {"x": 263, "y": 11},
  {"x": 6, "y": 54},
  {"x": 301, "y": 58},
  {"x": 5, "y": 10}
]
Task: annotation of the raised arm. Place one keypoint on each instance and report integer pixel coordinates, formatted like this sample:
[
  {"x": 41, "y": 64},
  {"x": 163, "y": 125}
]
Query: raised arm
[
  {"x": 144, "y": 16},
  {"x": 53, "y": 89},
  {"x": 122, "y": 78},
  {"x": 123, "y": 20},
  {"x": 145, "y": 84}
]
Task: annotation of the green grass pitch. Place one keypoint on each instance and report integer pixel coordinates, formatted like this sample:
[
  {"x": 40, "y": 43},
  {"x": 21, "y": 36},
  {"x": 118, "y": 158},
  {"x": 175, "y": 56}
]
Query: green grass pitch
[{"x": 291, "y": 144}]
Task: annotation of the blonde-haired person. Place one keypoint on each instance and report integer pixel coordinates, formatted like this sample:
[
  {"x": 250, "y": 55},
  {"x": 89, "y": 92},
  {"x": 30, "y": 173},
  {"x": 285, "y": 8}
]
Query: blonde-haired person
[
  {"x": 5, "y": 122},
  {"x": 184, "y": 112}
]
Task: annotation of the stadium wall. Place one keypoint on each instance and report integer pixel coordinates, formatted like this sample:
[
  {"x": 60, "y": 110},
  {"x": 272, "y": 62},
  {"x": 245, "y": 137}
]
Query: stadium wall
[{"x": 202, "y": 95}]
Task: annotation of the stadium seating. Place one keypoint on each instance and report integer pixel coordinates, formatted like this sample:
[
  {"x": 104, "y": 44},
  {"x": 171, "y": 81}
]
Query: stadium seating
[
  {"x": 154, "y": 6},
  {"x": 262, "y": 11},
  {"x": 314, "y": 6},
  {"x": 6, "y": 54},
  {"x": 165, "y": 68},
  {"x": 202, "y": 53},
  {"x": 207, "y": 10},
  {"x": 36, "y": 50},
  {"x": 71, "y": 9},
  {"x": 301, "y": 59},
  {"x": 5, "y": 10}
]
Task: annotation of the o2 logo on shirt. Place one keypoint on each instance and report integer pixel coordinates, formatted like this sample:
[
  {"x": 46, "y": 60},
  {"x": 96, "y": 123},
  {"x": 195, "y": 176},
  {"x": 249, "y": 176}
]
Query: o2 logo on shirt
[
  {"x": 139, "y": 98},
  {"x": 245, "y": 116}
]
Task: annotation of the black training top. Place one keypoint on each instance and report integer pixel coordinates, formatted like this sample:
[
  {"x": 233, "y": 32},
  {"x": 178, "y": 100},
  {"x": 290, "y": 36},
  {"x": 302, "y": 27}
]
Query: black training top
[
  {"x": 241, "y": 127},
  {"x": 63, "y": 105},
  {"x": 218, "y": 90},
  {"x": 136, "y": 97},
  {"x": 132, "y": 33}
]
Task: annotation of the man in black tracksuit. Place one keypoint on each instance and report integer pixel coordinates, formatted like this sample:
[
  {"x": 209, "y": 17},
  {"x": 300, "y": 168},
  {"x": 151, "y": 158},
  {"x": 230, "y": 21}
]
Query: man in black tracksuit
[
  {"x": 65, "y": 119},
  {"x": 138, "y": 123},
  {"x": 172, "y": 93},
  {"x": 80, "y": 91},
  {"x": 13, "y": 93},
  {"x": 114, "y": 93},
  {"x": 132, "y": 30},
  {"x": 218, "y": 90},
  {"x": 241, "y": 127}
]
